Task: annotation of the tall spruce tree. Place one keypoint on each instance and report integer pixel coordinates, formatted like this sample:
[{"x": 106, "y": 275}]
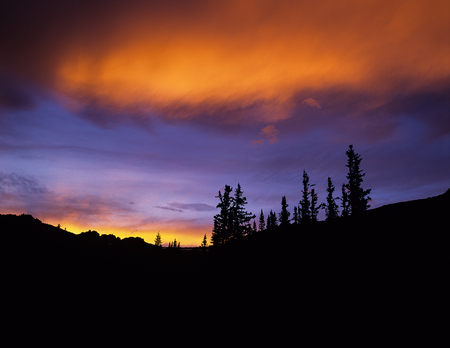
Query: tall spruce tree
[
  {"x": 232, "y": 221},
  {"x": 223, "y": 222},
  {"x": 344, "y": 202},
  {"x": 331, "y": 208},
  {"x": 305, "y": 204},
  {"x": 358, "y": 197},
  {"x": 262, "y": 223},
  {"x": 271, "y": 220},
  {"x": 158, "y": 241},
  {"x": 204, "y": 242},
  {"x": 314, "y": 207},
  {"x": 296, "y": 215},
  {"x": 284, "y": 214},
  {"x": 241, "y": 218},
  {"x": 174, "y": 244}
]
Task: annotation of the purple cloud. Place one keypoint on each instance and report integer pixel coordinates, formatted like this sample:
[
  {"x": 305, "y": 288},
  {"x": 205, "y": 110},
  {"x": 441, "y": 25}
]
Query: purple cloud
[
  {"x": 15, "y": 185},
  {"x": 193, "y": 206}
]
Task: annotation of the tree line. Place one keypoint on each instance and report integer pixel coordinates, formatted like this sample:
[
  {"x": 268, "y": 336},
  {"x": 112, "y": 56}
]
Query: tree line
[
  {"x": 158, "y": 242},
  {"x": 233, "y": 221}
]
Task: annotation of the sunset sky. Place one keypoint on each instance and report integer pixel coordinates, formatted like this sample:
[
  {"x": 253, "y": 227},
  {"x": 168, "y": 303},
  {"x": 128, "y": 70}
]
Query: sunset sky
[{"x": 128, "y": 117}]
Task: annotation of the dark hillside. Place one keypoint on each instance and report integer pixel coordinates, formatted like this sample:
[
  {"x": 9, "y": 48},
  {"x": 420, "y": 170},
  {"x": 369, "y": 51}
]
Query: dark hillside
[
  {"x": 368, "y": 279},
  {"x": 378, "y": 275}
]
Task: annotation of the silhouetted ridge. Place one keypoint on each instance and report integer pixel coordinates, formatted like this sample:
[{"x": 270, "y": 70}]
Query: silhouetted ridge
[{"x": 377, "y": 276}]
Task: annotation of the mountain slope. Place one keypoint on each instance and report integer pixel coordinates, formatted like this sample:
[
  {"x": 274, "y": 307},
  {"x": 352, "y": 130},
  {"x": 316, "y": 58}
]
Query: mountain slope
[{"x": 375, "y": 278}]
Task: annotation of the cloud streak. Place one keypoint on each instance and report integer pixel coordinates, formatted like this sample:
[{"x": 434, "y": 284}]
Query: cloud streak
[
  {"x": 180, "y": 207},
  {"x": 169, "y": 208},
  {"x": 198, "y": 207},
  {"x": 14, "y": 185}
]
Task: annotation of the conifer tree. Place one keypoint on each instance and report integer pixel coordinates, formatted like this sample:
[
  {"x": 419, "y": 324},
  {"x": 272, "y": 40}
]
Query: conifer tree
[
  {"x": 174, "y": 244},
  {"x": 358, "y": 197},
  {"x": 158, "y": 241},
  {"x": 344, "y": 202},
  {"x": 271, "y": 220},
  {"x": 254, "y": 228},
  {"x": 331, "y": 208},
  {"x": 232, "y": 221},
  {"x": 262, "y": 224},
  {"x": 223, "y": 221},
  {"x": 314, "y": 210},
  {"x": 204, "y": 243},
  {"x": 274, "y": 220},
  {"x": 241, "y": 218},
  {"x": 296, "y": 215},
  {"x": 305, "y": 212},
  {"x": 284, "y": 214}
]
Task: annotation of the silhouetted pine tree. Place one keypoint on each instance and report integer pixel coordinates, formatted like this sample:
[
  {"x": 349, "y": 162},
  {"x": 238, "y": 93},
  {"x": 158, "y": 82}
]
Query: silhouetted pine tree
[
  {"x": 284, "y": 214},
  {"x": 158, "y": 241},
  {"x": 223, "y": 222},
  {"x": 331, "y": 208},
  {"x": 344, "y": 202},
  {"x": 358, "y": 197},
  {"x": 262, "y": 223},
  {"x": 204, "y": 243},
  {"x": 174, "y": 244},
  {"x": 272, "y": 220},
  {"x": 241, "y": 218},
  {"x": 296, "y": 215},
  {"x": 314, "y": 207},
  {"x": 305, "y": 204},
  {"x": 232, "y": 221}
]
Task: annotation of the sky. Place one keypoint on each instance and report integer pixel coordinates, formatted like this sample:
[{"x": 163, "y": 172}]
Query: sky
[{"x": 128, "y": 117}]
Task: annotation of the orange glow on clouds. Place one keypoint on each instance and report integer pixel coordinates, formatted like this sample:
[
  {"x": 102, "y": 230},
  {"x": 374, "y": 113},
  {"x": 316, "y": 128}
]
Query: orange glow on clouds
[{"x": 243, "y": 53}]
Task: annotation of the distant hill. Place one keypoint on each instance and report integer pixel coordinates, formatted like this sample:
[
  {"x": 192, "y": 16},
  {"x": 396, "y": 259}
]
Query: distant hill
[{"x": 376, "y": 276}]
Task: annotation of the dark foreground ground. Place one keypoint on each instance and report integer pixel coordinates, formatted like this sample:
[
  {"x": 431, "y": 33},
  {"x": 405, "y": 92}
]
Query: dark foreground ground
[{"x": 376, "y": 279}]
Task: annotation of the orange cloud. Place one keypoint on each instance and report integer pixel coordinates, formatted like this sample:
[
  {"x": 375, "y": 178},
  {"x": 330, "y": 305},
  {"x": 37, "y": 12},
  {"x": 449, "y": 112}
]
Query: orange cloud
[
  {"x": 311, "y": 102},
  {"x": 257, "y": 142},
  {"x": 181, "y": 61},
  {"x": 271, "y": 133}
]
